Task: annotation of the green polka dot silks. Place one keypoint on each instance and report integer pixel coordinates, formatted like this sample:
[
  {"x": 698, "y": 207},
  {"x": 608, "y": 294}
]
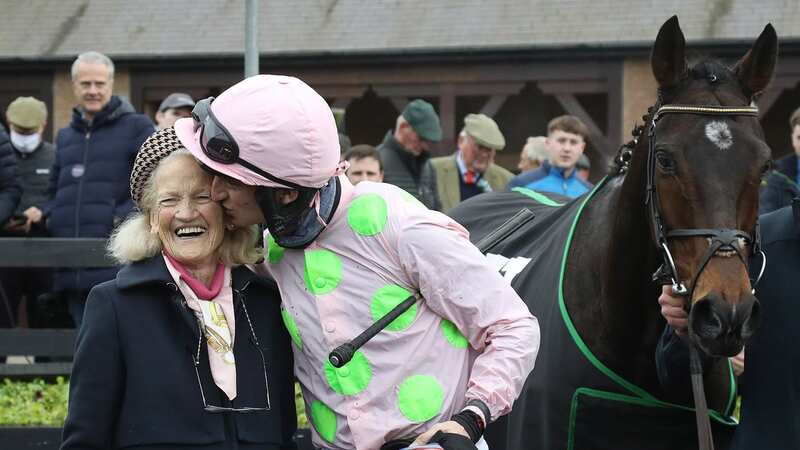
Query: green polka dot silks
[
  {"x": 274, "y": 251},
  {"x": 453, "y": 336},
  {"x": 351, "y": 378},
  {"x": 324, "y": 420},
  {"x": 291, "y": 327},
  {"x": 367, "y": 214},
  {"x": 322, "y": 271},
  {"x": 420, "y": 398},
  {"x": 385, "y": 299}
]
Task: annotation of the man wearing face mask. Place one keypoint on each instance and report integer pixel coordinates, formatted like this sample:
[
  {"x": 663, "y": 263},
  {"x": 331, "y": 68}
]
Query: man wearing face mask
[{"x": 27, "y": 118}]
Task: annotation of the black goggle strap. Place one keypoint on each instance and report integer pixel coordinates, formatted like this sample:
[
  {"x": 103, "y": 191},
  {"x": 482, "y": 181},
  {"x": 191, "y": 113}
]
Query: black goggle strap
[{"x": 203, "y": 117}]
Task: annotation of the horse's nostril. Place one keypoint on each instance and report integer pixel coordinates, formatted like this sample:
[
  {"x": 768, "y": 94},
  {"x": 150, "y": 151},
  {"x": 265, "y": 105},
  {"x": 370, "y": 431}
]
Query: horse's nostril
[{"x": 704, "y": 321}]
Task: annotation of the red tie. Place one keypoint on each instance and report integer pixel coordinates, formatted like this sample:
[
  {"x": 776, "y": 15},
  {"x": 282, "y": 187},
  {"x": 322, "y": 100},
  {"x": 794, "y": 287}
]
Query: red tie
[{"x": 469, "y": 177}]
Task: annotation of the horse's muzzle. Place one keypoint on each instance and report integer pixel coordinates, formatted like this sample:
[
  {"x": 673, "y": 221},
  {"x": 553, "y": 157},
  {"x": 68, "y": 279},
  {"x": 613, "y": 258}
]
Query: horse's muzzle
[{"x": 720, "y": 328}]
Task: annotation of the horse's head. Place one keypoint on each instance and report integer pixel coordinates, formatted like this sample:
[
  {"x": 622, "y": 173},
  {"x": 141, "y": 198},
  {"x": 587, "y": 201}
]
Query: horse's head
[{"x": 706, "y": 166}]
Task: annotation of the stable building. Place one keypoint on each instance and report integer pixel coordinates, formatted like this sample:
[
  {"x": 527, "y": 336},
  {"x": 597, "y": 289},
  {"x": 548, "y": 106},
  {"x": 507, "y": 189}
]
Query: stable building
[{"x": 521, "y": 62}]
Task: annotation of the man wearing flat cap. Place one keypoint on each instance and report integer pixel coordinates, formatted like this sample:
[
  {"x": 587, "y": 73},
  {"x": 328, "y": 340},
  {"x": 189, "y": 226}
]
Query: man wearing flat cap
[
  {"x": 449, "y": 180},
  {"x": 176, "y": 106},
  {"x": 404, "y": 151}
]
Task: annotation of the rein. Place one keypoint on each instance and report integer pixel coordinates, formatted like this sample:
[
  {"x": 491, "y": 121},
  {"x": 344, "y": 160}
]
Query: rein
[{"x": 720, "y": 240}]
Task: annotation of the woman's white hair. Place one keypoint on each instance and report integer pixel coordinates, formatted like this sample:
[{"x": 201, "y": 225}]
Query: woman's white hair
[{"x": 134, "y": 241}]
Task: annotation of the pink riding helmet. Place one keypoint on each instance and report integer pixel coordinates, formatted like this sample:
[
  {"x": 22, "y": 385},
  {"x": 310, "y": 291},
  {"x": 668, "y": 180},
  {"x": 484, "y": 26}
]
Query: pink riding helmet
[{"x": 280, "y": 125}]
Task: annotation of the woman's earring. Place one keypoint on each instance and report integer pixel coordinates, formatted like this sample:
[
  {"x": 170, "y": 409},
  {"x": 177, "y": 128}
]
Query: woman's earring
[{"x": 230, "y": 227}]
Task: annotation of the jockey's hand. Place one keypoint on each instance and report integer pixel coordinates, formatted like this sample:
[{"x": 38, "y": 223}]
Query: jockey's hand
[
  {"x": 445, "y": 427},
  {"x": 737, "y": 362},
  {"x": 672, "y": 310}
]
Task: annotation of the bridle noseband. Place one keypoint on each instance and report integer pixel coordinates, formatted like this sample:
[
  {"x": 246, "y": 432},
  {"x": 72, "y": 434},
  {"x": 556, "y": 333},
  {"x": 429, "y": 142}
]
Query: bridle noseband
[{"x": 723, "y": 239}]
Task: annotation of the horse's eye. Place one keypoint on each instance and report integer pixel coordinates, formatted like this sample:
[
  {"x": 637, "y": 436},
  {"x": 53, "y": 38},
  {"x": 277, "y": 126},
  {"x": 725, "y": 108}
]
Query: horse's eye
[{"x": 665, "y": 162}]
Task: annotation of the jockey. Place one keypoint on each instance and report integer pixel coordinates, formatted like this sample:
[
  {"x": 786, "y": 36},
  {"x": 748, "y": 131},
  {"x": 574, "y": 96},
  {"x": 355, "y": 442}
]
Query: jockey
[{"x": 343, "y": 256}]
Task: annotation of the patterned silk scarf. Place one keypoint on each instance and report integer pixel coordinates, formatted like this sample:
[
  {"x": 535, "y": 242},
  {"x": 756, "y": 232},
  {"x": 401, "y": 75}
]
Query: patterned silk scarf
[{"x": 210, "y": 304}]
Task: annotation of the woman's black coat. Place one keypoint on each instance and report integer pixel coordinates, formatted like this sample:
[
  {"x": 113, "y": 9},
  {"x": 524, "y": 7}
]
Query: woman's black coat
[{"x": 133, "y": 382}]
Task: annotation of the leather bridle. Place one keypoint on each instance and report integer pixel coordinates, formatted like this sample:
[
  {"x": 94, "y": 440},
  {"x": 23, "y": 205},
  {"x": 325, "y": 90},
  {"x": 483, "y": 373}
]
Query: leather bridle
[
  {"x": 720, "y": 240},
  {"x": 723, "y": 239}
]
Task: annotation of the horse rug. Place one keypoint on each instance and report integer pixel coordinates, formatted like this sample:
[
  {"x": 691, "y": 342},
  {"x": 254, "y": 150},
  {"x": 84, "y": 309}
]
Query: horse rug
[{"x": 571, "y": 400}]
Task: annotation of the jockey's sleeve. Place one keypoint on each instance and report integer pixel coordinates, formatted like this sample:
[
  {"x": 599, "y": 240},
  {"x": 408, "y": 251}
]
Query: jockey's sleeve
[{"x": 457, "y": 283}]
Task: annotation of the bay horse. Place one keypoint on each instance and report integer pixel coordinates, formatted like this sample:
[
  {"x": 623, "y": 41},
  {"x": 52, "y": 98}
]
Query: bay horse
[{"x": 682, "y": 196}]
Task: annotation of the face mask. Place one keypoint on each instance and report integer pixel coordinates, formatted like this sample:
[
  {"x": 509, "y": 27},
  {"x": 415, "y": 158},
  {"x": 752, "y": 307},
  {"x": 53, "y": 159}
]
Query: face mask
[
  {"x": 25, "y": 143},
  {"x": 297, "y": 225}
]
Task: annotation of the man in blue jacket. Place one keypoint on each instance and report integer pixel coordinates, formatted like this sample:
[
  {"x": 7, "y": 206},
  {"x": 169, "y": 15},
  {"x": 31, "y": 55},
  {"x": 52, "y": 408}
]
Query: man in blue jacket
[
  {"x": 89, "y": 180},
  {"x": 566, "y": 140}
]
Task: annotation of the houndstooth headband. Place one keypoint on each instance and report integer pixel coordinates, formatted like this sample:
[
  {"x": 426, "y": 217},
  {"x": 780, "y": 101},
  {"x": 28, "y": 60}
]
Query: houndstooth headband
[{"x": 157, "y": 147}]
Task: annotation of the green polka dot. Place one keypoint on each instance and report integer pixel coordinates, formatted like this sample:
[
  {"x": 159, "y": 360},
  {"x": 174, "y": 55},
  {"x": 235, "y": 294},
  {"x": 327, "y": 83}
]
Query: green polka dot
[
  {"x": 453, "y": 336},
  {"x": 324, "y": 420},
  {"x": 420, "y": 398},
  {"x": 291, "y": 327},
  {"x": 387, "y": 298},
  {"x": 351, "y": 378},
  {"x": 274, "y": 251},
  {"x": 411, "y": 199},
  {"x": 367, "y": 214},
  {"x": 322, "y": 272}
]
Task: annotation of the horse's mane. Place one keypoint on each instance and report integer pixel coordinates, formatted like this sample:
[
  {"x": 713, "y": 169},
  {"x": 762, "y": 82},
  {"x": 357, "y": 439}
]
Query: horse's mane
[{"x": 703, "y": 68}]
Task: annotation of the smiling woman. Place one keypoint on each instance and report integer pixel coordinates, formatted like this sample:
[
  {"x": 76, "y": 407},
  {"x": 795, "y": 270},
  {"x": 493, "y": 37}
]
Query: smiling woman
[{"x": 186, "y": 347}]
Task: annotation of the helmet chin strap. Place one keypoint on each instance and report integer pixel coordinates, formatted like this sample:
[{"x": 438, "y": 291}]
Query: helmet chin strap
[{"x": 297, "y": 224}]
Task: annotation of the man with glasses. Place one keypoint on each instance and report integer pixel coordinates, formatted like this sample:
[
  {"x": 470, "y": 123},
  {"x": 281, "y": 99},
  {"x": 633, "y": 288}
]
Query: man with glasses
[
  {"x": 449, "y": 180},
  {"x": 344, "y": 256}
]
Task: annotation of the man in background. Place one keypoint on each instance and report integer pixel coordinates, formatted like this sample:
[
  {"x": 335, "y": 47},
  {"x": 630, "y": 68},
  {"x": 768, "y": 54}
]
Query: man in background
[
  {"x": 176, "y": 106},
  {"x": 365, "y": 164},
  {"x": 90, "y": 178},
  {"x": 783, "y": 184},
  {"x": 448, "y": 180},
  {"x": 27, "y": 118},
  {"x": 566, "y": 141},
  {"x": 404, "y": 151},
  {"x": 533, "y": 154}
]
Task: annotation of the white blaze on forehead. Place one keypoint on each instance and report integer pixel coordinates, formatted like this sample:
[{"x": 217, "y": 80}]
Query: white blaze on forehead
[{"x": 719, "y": 134}]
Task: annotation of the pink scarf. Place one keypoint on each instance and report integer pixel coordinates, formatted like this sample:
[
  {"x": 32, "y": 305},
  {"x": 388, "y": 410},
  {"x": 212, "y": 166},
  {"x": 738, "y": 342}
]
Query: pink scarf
[{"x": 202, "y": 291}]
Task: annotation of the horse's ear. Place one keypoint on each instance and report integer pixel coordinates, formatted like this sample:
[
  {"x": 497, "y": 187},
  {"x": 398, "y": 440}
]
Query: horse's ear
[
  {"x": 757, "y": 66},
  {"x": 668, "y": 58}
]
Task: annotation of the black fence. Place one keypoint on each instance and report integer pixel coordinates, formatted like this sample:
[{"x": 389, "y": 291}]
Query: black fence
[{"x": 54, "y": 344}]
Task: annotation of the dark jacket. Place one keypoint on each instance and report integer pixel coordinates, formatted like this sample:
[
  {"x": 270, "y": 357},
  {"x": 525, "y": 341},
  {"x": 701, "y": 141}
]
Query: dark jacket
[
  {"x": 134, "y": 384},
  {"x": 788, "y": 166},
  {"x": 90, "y": 181},
  {"x": 34, "y": 175},
  {"x": 10, "y": 190},
  {"x": 770, "y": 384},
  {"x": 777, "y": 191},
  {"x": 400, "y": 167}
]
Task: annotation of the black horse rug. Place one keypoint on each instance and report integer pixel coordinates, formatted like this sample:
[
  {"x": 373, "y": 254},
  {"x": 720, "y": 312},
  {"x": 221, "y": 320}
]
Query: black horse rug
[{"x": 571, "y": 400}]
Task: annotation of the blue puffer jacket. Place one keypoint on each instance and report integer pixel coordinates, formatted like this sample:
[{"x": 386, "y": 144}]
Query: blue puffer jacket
[
  {"x": 89, "y": 182},
  {"x": 10, "y": 190}
]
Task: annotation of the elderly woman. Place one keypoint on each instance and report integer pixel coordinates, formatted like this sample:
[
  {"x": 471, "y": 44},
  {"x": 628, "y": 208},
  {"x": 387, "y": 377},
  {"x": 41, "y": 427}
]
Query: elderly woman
[{"x": 186, "y": 347}]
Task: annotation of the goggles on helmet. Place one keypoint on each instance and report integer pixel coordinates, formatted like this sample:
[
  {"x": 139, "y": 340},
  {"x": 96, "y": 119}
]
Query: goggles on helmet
[{"x": 219, "y": 145}]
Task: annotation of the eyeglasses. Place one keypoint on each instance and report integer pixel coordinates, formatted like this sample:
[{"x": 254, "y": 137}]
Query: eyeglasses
[
  {"x": 219, "y": 145},
  {"x": 196, "y": 363}
]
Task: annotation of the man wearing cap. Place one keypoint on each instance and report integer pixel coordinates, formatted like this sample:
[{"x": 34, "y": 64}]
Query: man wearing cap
[
  {"x": 404, "y": 152},
  {"x": 174, "y": 107},
  {"x": 27, "y": 118},
  {"x": 448, "y": 180},
  {"x": 89, "y": 179},
  {"x": 343, "y": 256}
]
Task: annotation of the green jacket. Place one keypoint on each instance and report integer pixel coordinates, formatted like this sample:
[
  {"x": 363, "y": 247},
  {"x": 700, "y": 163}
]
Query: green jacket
[{"x": 439, "y": 183}]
